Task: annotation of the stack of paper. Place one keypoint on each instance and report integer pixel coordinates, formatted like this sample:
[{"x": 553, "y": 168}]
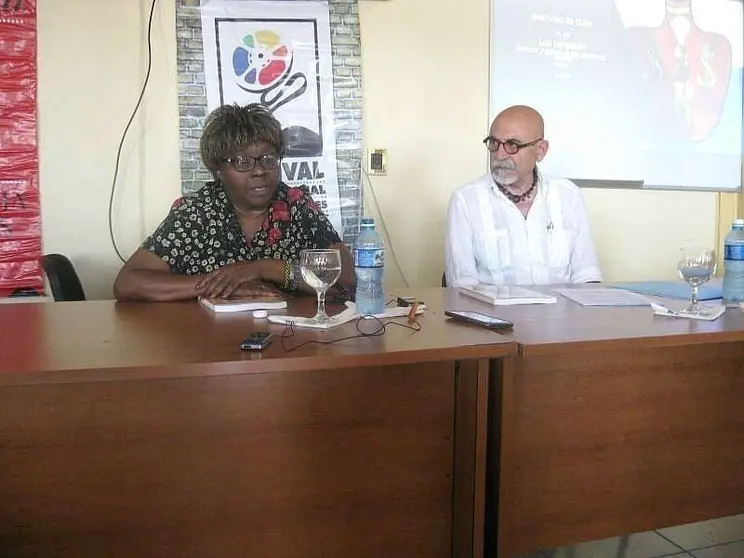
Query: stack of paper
[{"x": 604, "y": 297}]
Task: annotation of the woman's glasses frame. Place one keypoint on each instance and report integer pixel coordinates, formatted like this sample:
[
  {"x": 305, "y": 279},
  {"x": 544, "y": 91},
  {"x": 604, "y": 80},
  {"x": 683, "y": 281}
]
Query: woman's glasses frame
[{"x": 243, "y": 163}]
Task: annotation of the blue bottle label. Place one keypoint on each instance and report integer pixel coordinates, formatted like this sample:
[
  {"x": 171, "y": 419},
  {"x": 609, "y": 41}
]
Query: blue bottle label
[
  {"x": 733, "y": 252},
  {"x": 369, "y": 257}
]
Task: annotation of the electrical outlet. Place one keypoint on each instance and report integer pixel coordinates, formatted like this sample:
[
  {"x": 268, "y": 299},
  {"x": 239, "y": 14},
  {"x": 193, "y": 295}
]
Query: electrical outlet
[{"x": 377, "y": 162}]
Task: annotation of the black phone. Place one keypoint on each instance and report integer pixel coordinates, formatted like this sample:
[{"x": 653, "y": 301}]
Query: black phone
[
  {"x": 257, "y": 341},
  {"x": 490, "y": 322}
]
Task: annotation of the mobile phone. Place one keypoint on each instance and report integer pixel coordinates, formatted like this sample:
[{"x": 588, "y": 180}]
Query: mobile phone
[
  {"x": 257, "y": 341},
  {"x": 490, "y": 322}
]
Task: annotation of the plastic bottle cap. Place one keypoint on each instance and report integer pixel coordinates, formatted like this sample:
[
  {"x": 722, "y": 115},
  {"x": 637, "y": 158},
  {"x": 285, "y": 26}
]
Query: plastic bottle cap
[{"x": 260, "y": 314}]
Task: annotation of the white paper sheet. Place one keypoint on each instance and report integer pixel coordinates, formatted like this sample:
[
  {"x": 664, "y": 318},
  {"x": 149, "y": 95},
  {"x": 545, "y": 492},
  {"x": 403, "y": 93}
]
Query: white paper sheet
[
  {"x": 604, "y": 297},
  {"x": 711, "y": 312},
  {"x": 339, "y": 319}
]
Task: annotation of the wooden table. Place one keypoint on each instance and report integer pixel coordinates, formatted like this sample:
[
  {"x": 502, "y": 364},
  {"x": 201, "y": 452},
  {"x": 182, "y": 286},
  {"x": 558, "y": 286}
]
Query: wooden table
[
  {"x": 613, "y": 421},
  {"x": 142, "y": 430}
]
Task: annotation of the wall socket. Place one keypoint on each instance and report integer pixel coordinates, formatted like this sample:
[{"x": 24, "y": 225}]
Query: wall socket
[{"x": 377, "y": 162}]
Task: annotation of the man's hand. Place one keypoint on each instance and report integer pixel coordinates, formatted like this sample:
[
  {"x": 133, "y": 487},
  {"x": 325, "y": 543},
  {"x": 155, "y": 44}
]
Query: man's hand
[{"x": 240, "y": 278}]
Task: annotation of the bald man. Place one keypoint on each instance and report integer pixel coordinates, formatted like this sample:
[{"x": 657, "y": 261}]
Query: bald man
[{"x": 515, "y": 226}]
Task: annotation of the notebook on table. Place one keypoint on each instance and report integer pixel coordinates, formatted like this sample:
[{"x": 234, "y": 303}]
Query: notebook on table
[
  {"x": 506, "y": 295},
  {"x": 246, "y": 304}
]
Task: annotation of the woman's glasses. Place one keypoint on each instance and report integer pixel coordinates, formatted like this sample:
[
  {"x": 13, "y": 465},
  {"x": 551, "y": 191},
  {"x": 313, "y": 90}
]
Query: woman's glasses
[{"x": 247, "y": 164}]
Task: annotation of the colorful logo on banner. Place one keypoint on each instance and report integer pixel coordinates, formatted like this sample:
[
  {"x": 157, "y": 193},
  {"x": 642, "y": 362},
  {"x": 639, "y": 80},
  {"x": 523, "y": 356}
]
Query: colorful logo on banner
[{"x": 262, "y": 64}]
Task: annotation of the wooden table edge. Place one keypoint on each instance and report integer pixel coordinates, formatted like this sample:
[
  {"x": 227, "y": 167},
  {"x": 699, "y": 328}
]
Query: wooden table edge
[
  {"x": 254, "y": 365},
  {"x": 538, "y": 348}
]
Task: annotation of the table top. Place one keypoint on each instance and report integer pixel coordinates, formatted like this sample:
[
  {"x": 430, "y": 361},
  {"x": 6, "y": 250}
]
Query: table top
[
  {"x": 568, "y": 326},
  {"x": 67, "y": 342},
  {"x": 105, "y": 340}
]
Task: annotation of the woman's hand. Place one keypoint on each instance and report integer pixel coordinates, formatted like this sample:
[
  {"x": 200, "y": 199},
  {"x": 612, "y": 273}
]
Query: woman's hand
[
  {"x": 260, "y": 289},
  {"x": 240, "y": 278}
]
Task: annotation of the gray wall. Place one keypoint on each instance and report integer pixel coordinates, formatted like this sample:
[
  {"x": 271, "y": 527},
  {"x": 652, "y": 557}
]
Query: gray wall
[{"x": 347, "y": 89}]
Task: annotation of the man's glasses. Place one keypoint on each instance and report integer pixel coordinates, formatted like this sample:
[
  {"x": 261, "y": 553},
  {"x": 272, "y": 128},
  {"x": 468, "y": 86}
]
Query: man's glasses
[
  {"x": 247, "y": 164},
  {"x": 512, "y": 147}
]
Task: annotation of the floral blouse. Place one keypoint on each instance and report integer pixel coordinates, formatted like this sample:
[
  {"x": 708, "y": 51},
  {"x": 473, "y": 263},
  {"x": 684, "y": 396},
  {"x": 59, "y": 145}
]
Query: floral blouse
[{"x": 202, "y": 233}]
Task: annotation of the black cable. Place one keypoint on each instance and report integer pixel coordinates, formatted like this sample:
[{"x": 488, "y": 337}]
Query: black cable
[
  {"x": 126, "y": 131},
  {"x": 380, "y": 328}
]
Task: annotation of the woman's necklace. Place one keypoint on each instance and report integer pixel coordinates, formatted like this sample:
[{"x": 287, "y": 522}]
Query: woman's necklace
[{"x": 519, "y": 198}]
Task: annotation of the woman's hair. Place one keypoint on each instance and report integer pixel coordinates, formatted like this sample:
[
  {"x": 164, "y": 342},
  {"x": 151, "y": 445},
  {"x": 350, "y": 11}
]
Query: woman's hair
[{"x": 231, "y": 128}]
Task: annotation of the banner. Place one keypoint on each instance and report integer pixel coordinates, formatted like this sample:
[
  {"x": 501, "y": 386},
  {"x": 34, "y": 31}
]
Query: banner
[
  {"x": 278, "y": 53},
  {"x": 20, "y": 220}
]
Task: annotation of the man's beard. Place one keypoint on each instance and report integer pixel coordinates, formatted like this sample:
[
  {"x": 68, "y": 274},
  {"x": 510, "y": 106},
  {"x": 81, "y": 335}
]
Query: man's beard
[{"x": 504, "y": 172}]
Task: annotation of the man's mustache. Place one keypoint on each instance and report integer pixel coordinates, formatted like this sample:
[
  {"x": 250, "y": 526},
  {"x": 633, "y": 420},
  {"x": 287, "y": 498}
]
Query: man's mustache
[{"x": 506, "y": 165}]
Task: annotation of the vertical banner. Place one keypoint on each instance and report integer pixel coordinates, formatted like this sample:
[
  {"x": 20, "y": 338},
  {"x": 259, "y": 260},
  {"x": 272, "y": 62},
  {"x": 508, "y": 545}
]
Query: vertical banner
[
  {"x": 20, "y": 220},
  {"x": 278, "y": 53}
]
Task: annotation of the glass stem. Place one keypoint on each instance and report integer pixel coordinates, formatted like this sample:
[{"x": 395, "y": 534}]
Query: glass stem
[
  {"x": 694, "y": 296},
  {"x": 321, "y": 303}
]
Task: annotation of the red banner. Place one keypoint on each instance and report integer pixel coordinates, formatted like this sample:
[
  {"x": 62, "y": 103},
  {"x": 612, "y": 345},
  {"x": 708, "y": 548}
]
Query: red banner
[{"x": 20, "y": 216}]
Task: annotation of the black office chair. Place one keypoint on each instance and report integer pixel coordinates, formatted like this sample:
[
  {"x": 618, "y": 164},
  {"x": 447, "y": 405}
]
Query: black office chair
[{"x": 63, "y": 279}]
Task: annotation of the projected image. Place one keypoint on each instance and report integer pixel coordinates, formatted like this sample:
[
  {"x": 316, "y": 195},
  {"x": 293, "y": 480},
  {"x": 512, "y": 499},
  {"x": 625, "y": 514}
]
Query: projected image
[
  {"x": 688, "y": 68},
  {"x": 632, "y": 91},
  {"x": 566, "y": 40}
]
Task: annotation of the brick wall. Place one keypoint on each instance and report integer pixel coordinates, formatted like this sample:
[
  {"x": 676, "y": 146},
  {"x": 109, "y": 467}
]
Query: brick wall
[{"x": 347, "y": 88}]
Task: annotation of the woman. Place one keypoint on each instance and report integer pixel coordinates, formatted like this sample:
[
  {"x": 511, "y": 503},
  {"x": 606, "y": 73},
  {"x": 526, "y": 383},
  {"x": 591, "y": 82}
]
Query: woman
[{"x": 241, "y": 233}]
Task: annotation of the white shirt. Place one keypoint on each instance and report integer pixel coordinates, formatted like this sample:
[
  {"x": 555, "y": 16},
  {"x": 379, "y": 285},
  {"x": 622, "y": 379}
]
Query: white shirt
[{"x": 490, "y": 241}]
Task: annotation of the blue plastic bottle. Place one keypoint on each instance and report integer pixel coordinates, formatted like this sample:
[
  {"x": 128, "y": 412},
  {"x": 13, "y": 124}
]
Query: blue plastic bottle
[
  {"x": 733, "y": 264},
  {"x": 369, "y": 264}
]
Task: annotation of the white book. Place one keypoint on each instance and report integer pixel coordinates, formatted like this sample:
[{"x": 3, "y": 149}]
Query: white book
[
  {"x": 221, "y": 305},
  {"x": 506, "y": 295}
]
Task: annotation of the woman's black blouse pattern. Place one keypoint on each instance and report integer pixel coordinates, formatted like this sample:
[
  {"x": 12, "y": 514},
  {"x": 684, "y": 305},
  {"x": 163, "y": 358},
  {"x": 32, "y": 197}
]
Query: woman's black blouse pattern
[{"x": 202, "y": 233}]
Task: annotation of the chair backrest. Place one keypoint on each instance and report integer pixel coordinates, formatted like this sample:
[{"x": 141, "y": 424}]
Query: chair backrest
[{"x": 63, "y": 279}]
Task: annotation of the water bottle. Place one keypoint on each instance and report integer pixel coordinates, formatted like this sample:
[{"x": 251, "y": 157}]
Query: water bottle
[
  {"x": 733, "y": 264},
  {"x": 369, "y": 265}
]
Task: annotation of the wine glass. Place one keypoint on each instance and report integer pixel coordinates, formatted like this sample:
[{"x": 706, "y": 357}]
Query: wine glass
[
  {"x": 320, "y": 269},
  {"x": 696, "y": 266}
]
